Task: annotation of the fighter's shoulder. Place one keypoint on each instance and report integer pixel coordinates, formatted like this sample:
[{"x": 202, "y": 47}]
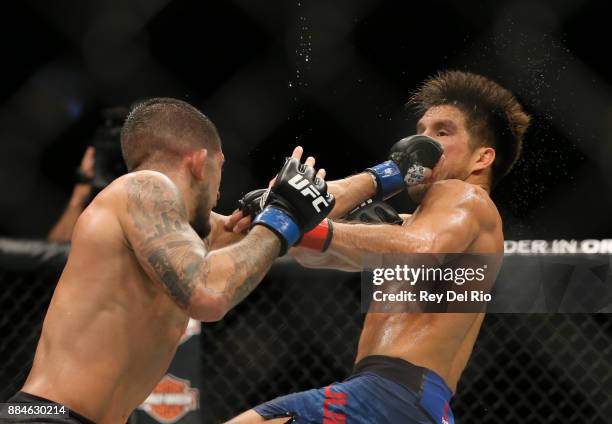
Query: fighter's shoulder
[
  {"x": 139, "y": 191},
  {"x": 142, "y": 183},
  {"x": 146, "y": 178},
  {"x": 462, "y": 194}
]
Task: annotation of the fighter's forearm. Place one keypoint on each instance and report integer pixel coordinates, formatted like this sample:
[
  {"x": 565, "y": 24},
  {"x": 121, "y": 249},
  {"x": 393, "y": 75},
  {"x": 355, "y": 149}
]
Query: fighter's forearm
[
  {"x": 234, "y": 271},
  {"x": 352, "y": 242},
  {"x": 350, "y": 192},
  {"x": 355, "y": 240},
  {"x": 327, "y": 260}
]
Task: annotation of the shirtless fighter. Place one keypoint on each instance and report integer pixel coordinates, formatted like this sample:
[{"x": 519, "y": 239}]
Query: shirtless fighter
[
  {"x": 408, "y": 364},
  {"x": 139, "y": 266}
]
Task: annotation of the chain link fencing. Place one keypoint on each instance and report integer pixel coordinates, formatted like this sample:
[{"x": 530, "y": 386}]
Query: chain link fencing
[{"x": 299, "y": 330}]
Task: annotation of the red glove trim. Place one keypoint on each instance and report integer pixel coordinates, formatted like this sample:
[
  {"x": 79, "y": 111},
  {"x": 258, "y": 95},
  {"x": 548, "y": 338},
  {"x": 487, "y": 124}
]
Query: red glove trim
[{"x": 319, "y": 238}]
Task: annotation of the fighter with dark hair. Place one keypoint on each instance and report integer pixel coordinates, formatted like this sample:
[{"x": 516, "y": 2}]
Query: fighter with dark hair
[
  {"x": 147, "y": 254},
  {"x": 408, "y": 364}
]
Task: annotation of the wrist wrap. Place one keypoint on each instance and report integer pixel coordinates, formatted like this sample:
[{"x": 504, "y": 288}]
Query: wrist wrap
[
  {"x": 389, "y": 179},
  {"x": 319, "y": 238},
  {"x": 282, "y": 225}
]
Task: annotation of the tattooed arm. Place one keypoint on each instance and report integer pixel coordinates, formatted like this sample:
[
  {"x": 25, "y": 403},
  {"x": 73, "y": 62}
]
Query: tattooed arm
[{"x": 206, "y": 284}]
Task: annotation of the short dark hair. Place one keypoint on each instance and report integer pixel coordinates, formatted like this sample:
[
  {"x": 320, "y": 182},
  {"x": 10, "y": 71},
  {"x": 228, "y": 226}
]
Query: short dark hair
[
  {"x": 161, "y": 127},
  {"x": 493, "y": 115}
]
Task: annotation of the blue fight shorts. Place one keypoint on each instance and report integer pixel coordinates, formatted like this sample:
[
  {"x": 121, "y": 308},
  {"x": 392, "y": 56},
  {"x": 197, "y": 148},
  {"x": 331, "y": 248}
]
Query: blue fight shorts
[{"x": 381, "y": 390}]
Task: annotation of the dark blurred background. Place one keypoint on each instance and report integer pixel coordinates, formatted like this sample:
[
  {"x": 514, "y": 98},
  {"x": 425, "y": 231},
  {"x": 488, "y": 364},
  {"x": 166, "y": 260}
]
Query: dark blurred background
[{"x": 332, "y": 76}]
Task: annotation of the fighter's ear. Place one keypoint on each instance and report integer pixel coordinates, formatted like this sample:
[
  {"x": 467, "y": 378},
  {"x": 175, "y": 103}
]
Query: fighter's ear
[
  {"x": 197, "y": 163},
  {"x": 483, "y": 158}
]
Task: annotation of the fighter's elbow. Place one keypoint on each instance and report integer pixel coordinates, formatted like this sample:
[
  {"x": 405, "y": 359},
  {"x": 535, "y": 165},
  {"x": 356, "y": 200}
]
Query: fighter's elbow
[{"x": 208, "y": 306}]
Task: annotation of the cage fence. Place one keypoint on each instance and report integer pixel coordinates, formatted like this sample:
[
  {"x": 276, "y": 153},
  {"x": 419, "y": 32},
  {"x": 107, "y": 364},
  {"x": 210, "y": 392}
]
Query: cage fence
[{"x": 299, "y": 330}]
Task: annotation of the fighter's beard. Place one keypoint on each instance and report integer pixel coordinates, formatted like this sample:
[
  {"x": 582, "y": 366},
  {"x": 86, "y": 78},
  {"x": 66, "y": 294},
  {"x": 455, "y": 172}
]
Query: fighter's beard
[{"x": 201, "y": 218}]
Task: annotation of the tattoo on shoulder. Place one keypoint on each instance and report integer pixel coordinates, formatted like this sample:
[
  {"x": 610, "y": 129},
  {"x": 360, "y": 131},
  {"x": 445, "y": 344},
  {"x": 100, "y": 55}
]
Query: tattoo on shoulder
[
  {"x": 167, "y": 242},
  {"x": 150, "y": 201}
]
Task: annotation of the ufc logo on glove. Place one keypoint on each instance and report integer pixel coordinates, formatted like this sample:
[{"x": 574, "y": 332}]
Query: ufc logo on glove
[{"x": 307, "y": 189}]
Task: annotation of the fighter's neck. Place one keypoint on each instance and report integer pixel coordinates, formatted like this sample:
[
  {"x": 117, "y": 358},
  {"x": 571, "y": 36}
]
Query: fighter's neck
[{"x": 480, "y": 181}]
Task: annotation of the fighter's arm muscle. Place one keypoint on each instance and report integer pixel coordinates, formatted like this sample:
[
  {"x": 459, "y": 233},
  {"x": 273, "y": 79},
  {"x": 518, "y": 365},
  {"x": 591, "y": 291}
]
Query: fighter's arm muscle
[
  {"x": 206, "y": 284},
  {"x": 449, "y": 220}
]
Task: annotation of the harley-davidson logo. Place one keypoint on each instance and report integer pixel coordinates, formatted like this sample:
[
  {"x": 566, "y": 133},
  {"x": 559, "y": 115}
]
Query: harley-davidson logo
[{"x": 171, "y": 399}]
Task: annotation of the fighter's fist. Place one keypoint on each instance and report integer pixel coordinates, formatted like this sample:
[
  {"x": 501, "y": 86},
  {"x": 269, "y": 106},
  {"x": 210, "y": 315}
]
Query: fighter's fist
[
  {"x": 252, "y": 203},
  {"x": 413, "y": 155},
  {"x": 296, "y": 187},
  {"x": 296, "y": 202},
  {"x": 410, "y": 162}
]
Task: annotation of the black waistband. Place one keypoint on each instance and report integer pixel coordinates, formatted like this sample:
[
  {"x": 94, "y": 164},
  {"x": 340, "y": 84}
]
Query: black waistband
[
  {"x": 24, "y": 397},
  {"x": 394, "y": 369}
]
